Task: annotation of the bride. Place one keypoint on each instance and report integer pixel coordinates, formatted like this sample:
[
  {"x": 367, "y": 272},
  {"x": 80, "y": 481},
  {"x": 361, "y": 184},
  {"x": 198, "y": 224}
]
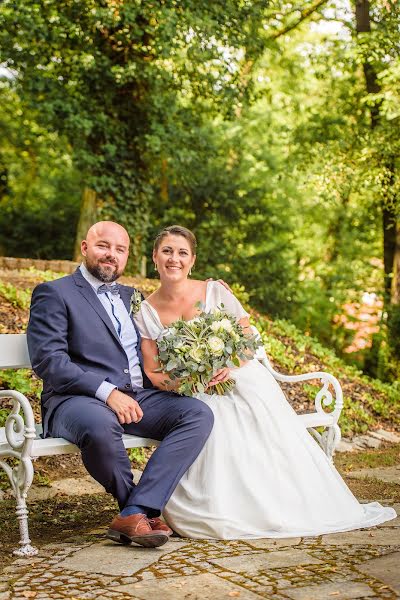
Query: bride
[{"x": 260, "y": 474}]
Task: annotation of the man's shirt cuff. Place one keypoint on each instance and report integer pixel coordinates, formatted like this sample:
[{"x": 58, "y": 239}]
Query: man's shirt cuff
[{"x": 104, "y": 390}]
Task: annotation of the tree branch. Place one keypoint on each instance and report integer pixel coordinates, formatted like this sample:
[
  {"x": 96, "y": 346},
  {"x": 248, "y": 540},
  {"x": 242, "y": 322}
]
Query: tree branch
[{"x": 304, "y": 14}]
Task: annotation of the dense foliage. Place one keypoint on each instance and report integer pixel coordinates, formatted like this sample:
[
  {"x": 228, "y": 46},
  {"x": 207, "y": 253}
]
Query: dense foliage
[{"x": 270, "y": 130}]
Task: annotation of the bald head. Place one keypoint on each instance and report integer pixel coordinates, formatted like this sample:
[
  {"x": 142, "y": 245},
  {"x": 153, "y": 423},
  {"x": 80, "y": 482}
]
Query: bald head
[
  {"x": 105, "y": 250},
  {"x": 104, "y": 228}
]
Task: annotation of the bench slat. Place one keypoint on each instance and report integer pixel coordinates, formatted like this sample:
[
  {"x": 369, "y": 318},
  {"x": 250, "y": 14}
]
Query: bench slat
[
  {"x": 316, "y": 419},
  {"x": 52, "y": 446},
  {"x": 14, "y": 351}
]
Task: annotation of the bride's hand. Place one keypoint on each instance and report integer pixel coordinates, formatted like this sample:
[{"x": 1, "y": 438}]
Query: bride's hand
[{"x": 220, "y": 376}]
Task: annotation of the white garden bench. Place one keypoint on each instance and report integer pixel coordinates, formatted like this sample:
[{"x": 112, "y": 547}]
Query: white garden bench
[{"x": 20, "y": 438}]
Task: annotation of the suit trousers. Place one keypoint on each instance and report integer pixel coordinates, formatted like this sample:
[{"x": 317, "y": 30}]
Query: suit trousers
[{"x": 181, "y": 423}]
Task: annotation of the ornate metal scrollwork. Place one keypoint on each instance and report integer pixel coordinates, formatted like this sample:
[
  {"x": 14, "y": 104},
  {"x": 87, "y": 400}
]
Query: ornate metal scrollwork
[{"x": 20, "y": 432}]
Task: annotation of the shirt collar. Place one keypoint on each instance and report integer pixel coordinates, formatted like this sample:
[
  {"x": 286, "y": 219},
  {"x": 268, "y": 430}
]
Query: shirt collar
[{"x": 94, "y": 282}]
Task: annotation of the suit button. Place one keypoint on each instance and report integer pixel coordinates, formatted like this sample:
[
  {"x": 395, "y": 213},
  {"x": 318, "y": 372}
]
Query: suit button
[
  {"x": 127, "y": 386},
  {"x": 126, "y": 370}
]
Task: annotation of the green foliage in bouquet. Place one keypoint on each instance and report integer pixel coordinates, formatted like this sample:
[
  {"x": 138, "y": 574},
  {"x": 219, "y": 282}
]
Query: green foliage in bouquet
[{"x": 194, "y": 350}]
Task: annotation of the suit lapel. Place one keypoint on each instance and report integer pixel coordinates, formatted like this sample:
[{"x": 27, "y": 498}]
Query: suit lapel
[{"x": 90, "y": 295}]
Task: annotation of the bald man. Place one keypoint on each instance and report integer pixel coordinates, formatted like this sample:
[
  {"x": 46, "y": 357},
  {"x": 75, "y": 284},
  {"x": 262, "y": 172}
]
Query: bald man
[{"x": 85, "y": 346}]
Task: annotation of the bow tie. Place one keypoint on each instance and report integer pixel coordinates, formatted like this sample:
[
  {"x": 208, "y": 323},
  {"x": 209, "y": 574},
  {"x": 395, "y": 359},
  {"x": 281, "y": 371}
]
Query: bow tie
[{"x": 113, "y": 289}]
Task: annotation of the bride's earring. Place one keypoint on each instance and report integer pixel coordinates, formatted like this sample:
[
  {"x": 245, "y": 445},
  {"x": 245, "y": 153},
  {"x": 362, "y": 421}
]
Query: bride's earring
[
  {"x": 155, "y": 266},
  {"x": 190, "y": 271}
]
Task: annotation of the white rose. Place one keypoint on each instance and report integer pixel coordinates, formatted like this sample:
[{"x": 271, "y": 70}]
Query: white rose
[
  {"x": 215, "y": 326},
  {"x": 226, "y": 324},
  {"x": 216, "y": 345},
  {"x": 196, "y": 354}
]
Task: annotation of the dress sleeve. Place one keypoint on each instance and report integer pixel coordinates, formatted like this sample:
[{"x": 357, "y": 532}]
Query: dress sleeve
[
  {"x": 147, "y": 323},
  {"x": 230, "y": 302}
]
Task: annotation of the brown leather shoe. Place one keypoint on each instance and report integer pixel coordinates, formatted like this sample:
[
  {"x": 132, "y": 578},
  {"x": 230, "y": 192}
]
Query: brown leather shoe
[
  {"x": 137, "y": 529},
  {"x": 158, "y": 524}
]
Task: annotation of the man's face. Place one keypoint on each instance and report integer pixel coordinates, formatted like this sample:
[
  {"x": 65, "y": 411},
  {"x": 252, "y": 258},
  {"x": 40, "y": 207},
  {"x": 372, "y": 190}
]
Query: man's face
[{"x": 106, "y": 251}]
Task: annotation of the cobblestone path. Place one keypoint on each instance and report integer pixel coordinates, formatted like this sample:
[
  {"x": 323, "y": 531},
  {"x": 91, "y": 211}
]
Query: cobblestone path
[{"x": 354, "y": 565}]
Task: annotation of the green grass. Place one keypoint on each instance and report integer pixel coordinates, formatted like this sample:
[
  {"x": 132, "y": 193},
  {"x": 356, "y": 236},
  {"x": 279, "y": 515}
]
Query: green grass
[
  {"x": 138, "y": 457},
  {"x": 22, "y": 380},
  {"x": 41, "y": 275},
  {"x": 388, "y": 456},
  {"x": 17, "y": 297}
]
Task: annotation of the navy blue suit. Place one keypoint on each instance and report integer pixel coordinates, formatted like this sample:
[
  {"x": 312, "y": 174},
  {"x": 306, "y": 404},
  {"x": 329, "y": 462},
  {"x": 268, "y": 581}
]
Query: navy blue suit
[{"x": 74, "y": 347}]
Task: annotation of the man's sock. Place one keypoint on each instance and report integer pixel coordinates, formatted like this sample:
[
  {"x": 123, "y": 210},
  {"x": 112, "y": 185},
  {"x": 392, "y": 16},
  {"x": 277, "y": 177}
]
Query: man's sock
[{"x": 133, "y": 509}]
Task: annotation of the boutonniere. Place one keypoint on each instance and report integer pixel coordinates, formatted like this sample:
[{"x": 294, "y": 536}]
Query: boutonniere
[{"x": 136, "y": 300}]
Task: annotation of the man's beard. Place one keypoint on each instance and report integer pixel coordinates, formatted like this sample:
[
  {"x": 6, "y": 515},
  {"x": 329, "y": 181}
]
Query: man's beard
[{"x": 101, "y": 274}]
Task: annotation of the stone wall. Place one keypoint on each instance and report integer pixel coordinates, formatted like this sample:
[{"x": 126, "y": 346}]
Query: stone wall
[{"x": 58, "y": 266}]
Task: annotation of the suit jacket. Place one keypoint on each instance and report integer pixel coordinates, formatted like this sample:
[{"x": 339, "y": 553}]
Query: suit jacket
[{"x": 73, "y": 345}]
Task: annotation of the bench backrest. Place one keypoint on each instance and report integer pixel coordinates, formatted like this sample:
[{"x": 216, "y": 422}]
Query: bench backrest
[{"x": 14, "y": 351}]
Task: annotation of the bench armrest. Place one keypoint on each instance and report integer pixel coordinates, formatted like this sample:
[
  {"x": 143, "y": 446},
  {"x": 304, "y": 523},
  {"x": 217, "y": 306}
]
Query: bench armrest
[
  {"x": 324, "y": 396},
  {"x": 19, "y": 428}
]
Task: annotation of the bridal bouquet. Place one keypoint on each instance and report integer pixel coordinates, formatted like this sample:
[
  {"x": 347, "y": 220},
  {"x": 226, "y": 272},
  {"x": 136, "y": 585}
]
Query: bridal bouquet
[{"x": 194, "y": 350}]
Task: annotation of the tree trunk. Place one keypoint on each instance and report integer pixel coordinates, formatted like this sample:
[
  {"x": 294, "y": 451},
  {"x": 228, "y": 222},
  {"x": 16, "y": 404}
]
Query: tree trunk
[
  {"x": 164, "y": 181},
  {"x": 389, "y": 225},
  {"x": 390, "y": 222},
  {"x": 396, "y": 271},
  {"x": 87, "y": 218}
]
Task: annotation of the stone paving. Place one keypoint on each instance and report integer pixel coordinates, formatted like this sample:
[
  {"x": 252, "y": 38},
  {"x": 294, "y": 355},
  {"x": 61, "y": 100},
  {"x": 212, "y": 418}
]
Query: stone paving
[
  {"x": 343, "y": 566},
  {"x": 354, "y": 565}
]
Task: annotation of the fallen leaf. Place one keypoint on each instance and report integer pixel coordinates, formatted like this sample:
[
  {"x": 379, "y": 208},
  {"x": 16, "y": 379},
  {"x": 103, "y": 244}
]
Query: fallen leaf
[
  {"x": 27, "y": 594},
  {"x": 234, "y": 594},
  {"x": 334, "y": 594}
]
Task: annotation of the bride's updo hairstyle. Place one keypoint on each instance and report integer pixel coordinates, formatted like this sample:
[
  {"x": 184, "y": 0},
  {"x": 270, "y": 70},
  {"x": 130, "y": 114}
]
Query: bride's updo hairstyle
[{"x": 176, "y": 230}]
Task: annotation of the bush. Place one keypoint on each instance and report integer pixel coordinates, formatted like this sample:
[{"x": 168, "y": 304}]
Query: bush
[{"x": 42, "y": 229}]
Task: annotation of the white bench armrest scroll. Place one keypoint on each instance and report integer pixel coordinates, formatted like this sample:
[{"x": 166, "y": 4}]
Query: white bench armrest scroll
[{"x": 330, "y": 438}]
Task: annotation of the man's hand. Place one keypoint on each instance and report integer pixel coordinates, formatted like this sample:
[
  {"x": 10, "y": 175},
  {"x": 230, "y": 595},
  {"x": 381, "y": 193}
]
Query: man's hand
[
  {"x": 125, "y": 407},
  {"x": 220, "y": 376},
  {"x": 222, "y": 282}
]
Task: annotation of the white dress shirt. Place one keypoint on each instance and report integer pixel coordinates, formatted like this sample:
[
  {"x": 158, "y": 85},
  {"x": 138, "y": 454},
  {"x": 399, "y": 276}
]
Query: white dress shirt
[{"x": 120, "y": 318}]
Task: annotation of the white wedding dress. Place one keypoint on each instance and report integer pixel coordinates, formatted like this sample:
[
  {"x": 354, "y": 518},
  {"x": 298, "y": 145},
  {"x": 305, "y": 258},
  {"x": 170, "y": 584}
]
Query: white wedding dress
[{"x": 260, "y": 473}]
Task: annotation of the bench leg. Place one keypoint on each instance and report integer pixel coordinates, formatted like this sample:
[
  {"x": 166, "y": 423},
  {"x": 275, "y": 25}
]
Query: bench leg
[
  {"x": 20, "y": 432},
  {"x": 25, "y": 543},
  {"x": 21, "y": 477},
  {"x": 24, "y": 476},
  {"x": 328, "y": 439}
]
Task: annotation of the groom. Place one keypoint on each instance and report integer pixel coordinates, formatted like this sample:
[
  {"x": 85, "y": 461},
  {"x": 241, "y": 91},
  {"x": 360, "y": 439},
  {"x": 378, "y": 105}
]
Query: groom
[{"x": 85, "y": 346}]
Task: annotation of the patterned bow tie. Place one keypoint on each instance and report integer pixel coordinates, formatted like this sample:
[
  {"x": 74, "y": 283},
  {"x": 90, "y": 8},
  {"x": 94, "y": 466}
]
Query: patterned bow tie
[{"x": 113, "y": 289}]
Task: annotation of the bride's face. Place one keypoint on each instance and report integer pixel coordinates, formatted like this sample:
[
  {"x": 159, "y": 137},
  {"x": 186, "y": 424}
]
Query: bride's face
[{"x": 174, "y": 258}]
